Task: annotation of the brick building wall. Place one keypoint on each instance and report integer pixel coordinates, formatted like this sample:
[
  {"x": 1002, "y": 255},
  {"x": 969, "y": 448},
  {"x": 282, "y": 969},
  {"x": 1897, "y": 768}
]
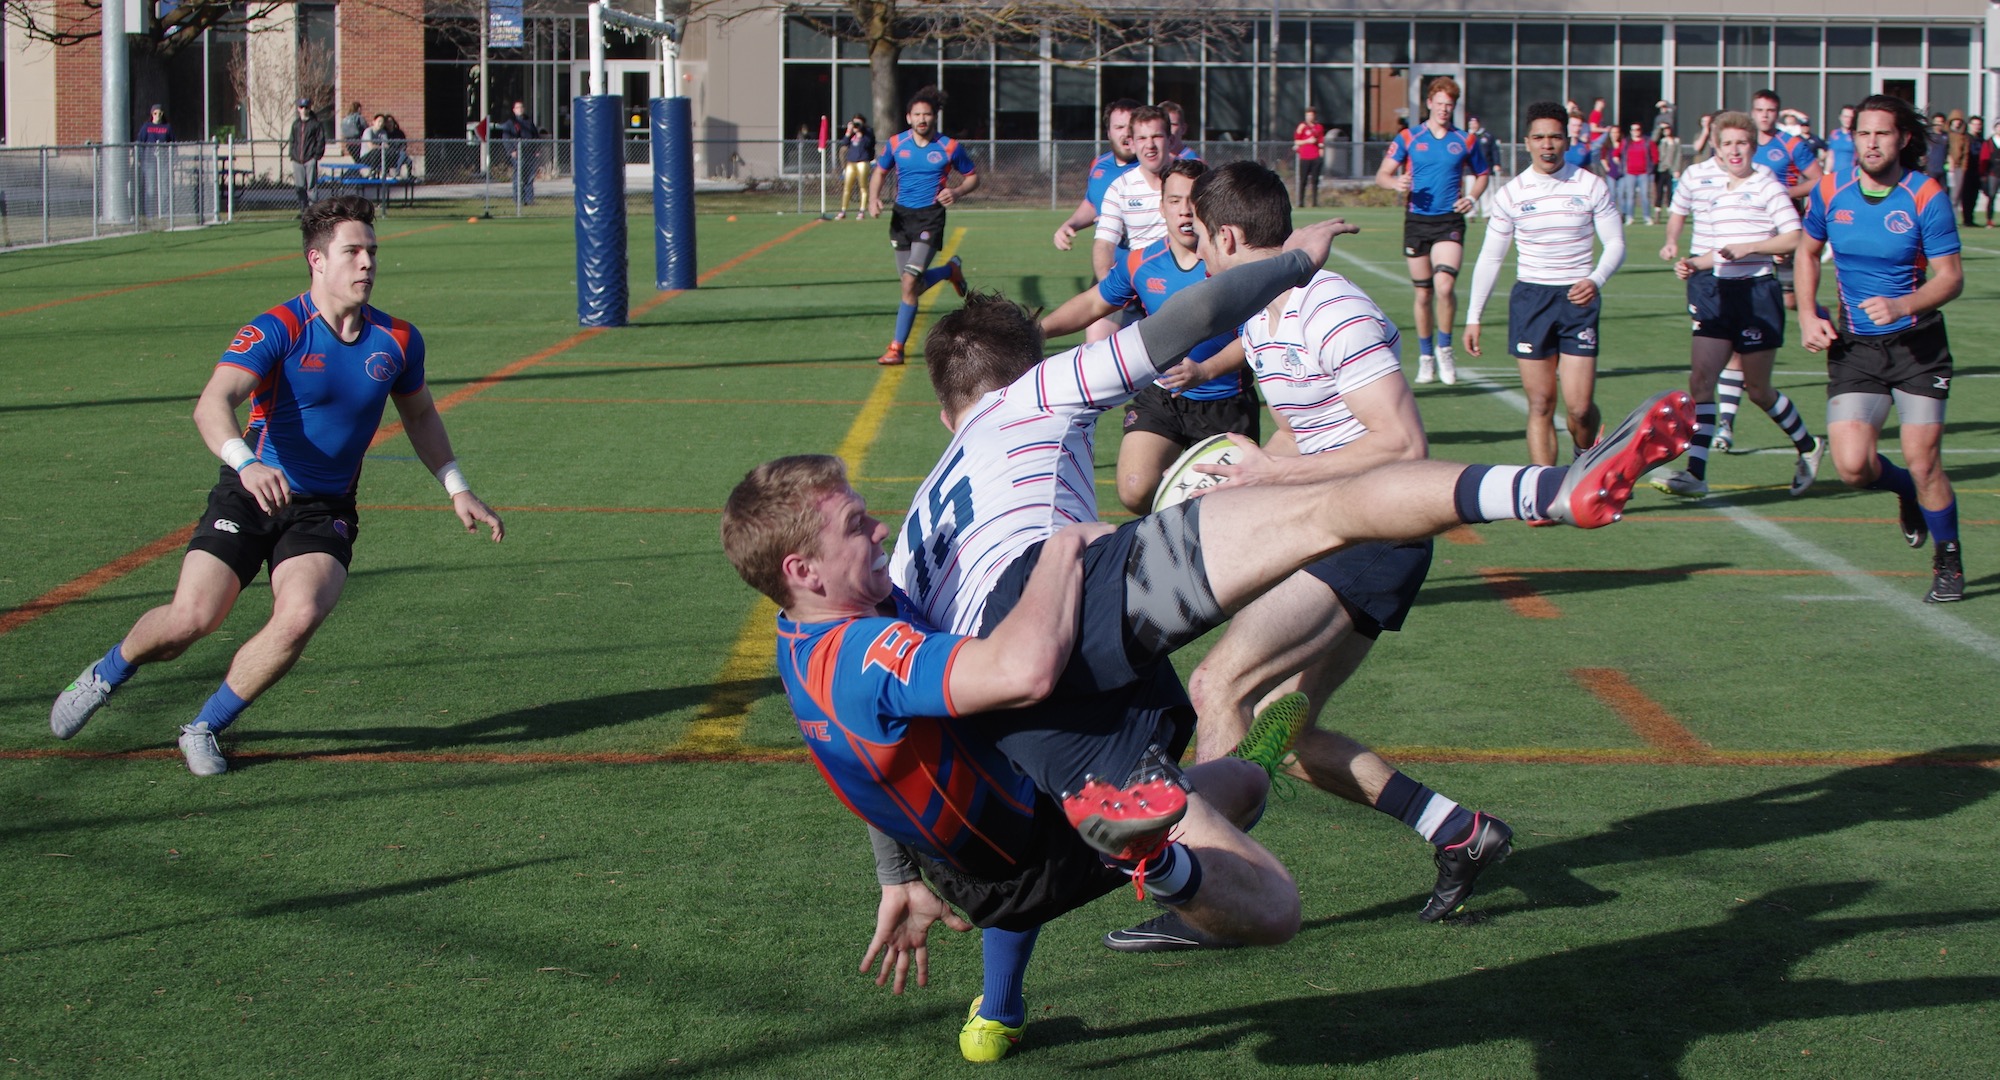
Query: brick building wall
[
  {"x": 79, "y": 80},
  {"x": 382, "y": 61}
]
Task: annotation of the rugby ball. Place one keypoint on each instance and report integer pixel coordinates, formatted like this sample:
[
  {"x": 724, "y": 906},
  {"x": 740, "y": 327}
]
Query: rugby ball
[{"x": 1182, "y": 481}]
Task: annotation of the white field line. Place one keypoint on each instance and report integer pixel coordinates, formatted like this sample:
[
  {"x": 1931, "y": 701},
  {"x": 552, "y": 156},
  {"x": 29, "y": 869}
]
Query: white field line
[{"x": 1929, "y": 616}]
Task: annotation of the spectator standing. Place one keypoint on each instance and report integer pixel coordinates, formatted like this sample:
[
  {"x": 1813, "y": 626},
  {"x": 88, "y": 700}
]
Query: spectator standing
[
  {"x": 305, "y": 145},
  {"x": 1954, "y": 155},
  {"x": 1667, "y": 163},
  {"x": 353, "y": 130},
  {"x": 1978, "y": 170},
  {"x": 1309, "y": 143},
  {"x": 1989, "y": 153},
  {"x": 1635, "y": 188},
  {"x": 1840, "y": 145},
  {"x": 1937, "y": 151},
  {"x": 153, "y": 137},
  {"x": 521, "y": 132},
  {"x": 857, "y": 153},
  {"x": 1663, "y": 115},
  {"x": 1482, "y": 139}
]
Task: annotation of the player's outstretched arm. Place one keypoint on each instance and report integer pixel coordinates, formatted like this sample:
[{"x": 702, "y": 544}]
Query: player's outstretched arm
[
  {"x": 426, "y": 430},
  {"x": 902, "y": 930},
  {"x": 215, "y": 418},
  {"x": 1076, "y": 313},
  {"x": 1222, "y": 303},
  {"x": 1018, "y": 663}
]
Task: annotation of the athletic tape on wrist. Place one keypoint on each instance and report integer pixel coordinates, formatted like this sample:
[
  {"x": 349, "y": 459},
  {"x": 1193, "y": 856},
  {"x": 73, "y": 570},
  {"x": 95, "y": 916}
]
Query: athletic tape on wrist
[
  {"x": 451, "y": 478},
  {"x": 238, "y": 455}
]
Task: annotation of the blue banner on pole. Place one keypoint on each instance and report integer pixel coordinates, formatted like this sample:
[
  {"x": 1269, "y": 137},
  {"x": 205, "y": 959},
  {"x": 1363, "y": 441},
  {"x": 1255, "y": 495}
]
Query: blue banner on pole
[{"x": 503, "y": 24}]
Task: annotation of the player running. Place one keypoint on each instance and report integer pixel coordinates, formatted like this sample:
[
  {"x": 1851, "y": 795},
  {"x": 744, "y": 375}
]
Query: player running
[
  {"x": 1428, "y": 163},
  {"x": 1109, "y": 166},
  {"x": 1203, "y": 395},
  {"x": 923, "y": 161},
  {"x": 1553, "y": 213},
  {"x": 1742, "y": 219},
  {"x": 317, "y": 371},
  {"x": 1896, "y": 245}
]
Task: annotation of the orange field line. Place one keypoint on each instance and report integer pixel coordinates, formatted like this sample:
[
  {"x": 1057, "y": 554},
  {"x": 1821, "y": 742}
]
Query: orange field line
[
  {"x": 669, "y": 401},
  {"x": 1646, "y": 717},
  {"x": 1795, "y": 519},
  {"x": 1521, "y": 597},
  {"x": 1430, "y": 755},
  {"x": 93, "y": 581},
  {"x": 1463, "y": 534},
  {"x": 15, "y": 618},
  {"x": 186, "y": 277}
]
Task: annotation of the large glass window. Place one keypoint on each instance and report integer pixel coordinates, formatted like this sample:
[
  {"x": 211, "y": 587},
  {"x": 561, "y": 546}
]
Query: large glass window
[
  {"x": 1229, "y": 104},
  {"x": 1592, "y": 45},
  {"x": 1798, "y": 46},
  {"x": 1073, "y": 112},
  {"x": 1489, "y": 43},
  {"x": 1947, "y": 92},
  {"x": 1489, "y": 95},
  {"x": 1541, "y": 44},
  {"x": 1951, "y": 47},
  {"x": 1641, "y": 45},
  {"x": 803, "y": 41},
  {"x": 1587, "y": 85},
  {"x": 1437, "y": 43},
  {"x": 1539, "y": 84},
  {"x": 1292, "y": 41},
  {"x": 1746, "y": 46},
  {"x": 1698, "y": 46},
  {"x": 1800, "y": 90},
  {"x": 1902, "y": 46},
  {"x": 1332, "y": 43},
  {"x": 1850, "y": 46},
  {"x": 1017, "y": 102},
  {"x": 1695, "y": 96},
  {"x": 1333, "y": 94},
  {"x": 1738, "y": 86},
  {"x": 1388, "y": 43},
  {"x": 1842, "y": 90}
]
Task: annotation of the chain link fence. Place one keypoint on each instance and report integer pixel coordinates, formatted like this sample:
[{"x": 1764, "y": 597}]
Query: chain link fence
[{"x": 53, "y": 194}]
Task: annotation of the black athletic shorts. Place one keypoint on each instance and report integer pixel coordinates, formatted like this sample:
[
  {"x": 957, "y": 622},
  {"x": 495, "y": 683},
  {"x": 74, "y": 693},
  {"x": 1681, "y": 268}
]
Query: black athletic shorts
[
  {"x": 1059, "y": 872},
  {"x": 1376, "y": 583},
  {"x": 1186, "y": 421},
  {"x": 1747, "y": 312},
  {"x": 236, "y": 531},
  {"x": 1543, "y": 323},
  {"x": 1915, "y": 361},
  {"x": 907, "y": 226},
  {"x": 1421, "y": 231}
]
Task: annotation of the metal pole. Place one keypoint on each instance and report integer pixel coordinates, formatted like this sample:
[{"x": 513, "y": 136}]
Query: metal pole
[
  {"x": 231, "y": 181},
  {"x": 822, "y": 181},
  {"x": 117, "y": 104},
  {"x": 44, "y": 155},
  {"x": 597, "y": 49},
  {"x": 96, "y": 178},
  {"x": 1052, "y": 151},
  {"x": 485, "y": 111}
]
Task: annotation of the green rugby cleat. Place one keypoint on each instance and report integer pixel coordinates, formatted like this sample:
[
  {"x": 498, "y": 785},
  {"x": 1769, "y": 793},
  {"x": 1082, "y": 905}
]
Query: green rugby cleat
[{"x": 985, "y": 1040}]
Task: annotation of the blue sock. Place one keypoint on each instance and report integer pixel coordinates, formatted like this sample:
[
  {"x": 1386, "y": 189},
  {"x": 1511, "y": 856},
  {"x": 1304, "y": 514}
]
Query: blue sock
[
  {"x": 1436, "y": 818},
  {"x": 1894, "y": 478},
  {"x": 1007, "y": 953},
  {"x": 222, "y": 708},
  {"x": 115, "y": 669},
  {"x": 1943, "y": 523},
  {"x": 1444, "y": 339},
  {"x": 906, "y": 317},
  {"x": 931, "y": 277},
  {"x": 1424, "y": 347}
]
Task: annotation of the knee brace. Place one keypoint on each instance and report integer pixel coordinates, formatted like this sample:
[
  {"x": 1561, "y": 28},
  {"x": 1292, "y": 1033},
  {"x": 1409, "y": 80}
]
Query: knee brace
[
  {"x": 1450, "y": 271},
  {"x": 1421, "y": 284}
]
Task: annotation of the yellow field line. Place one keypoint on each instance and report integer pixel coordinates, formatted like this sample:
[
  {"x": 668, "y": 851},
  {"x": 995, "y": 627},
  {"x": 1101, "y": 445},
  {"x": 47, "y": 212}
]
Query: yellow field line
[{"x": 718, "y": 727}]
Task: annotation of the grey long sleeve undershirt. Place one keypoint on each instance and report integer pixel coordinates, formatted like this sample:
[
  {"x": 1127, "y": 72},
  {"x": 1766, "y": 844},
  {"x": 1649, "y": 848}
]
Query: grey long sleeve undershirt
[
  {"x": 1219, "y": 305},
  {"x": 893, "y": 864}
]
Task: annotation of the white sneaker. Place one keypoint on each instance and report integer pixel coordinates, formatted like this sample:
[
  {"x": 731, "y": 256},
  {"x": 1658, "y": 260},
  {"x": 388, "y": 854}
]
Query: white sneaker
[
  {"x": 1808, "y": 467},
  {"x": 74, "y": 706},
  {"x": 1426, "y": 369},
  {"x": 204, "y": 758},
  {"x": 1681, "y": 482},
  {"x": 1447, "y": 366},
  {"x": 1723, "y": 440}
]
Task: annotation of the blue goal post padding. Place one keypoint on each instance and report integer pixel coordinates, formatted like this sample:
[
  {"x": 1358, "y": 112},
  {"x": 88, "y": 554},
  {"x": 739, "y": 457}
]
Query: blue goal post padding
[
  {"x": 602, "y": 295},
  {"x": 673, "y": 193}
]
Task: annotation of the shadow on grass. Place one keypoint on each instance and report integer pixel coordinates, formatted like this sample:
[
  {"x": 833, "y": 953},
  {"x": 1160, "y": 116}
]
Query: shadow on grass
[
  {"x": 1623, "y": 1008},
  {"x": 1555, "y": 582},
  {"x": 1918, "y": 787},
  {"x": 554, "y": 720},
  {"x": 297, "y": 905}
]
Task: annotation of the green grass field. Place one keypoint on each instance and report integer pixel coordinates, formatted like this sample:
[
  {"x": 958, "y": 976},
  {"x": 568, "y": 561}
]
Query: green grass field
[{"x": 539, "y": 810}]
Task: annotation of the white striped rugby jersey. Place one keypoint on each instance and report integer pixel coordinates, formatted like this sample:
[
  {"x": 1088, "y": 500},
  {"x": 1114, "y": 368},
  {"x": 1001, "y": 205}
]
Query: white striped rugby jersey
[
  {"x": 1130, "y": 213},
  {"x": 1554, "y": 220},
  {"x": 1330, "y": 340},
  {"x": 1019, "y": 468},
  {"x": 1756, "y": 209}
]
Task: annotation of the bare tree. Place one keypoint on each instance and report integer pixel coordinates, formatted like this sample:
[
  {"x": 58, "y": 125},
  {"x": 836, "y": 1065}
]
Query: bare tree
[
  {"x": 1094, "y": 33},
  {"x": 179, "y": 28}
]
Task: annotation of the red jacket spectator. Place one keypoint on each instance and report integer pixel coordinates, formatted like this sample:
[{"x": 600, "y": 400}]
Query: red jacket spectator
[{"x": 1640, "y": 156}]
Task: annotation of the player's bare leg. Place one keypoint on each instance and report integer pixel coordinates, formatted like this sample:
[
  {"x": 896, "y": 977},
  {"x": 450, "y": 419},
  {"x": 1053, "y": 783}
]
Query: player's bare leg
[
  {"x": 206, "y": 592},
  {"x": 1578, "y": 375},
  {"x": 1446, "y": 255},
  {"x": 1246, "y": 894},
  {"x": 1539, "y": 386},
  {"x": 304, "y": 590},
  {"x": 1143, "y": 457},
  {"x": 1421, "y": 276}
]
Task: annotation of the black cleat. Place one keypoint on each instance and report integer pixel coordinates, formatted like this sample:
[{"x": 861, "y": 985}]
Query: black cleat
[
  {"x": 1915, "y": 532},
  {"x": 1460, "y": 864},
  {"x": 1166, "y": 932},
  {"x": 1947, "y": 575}
]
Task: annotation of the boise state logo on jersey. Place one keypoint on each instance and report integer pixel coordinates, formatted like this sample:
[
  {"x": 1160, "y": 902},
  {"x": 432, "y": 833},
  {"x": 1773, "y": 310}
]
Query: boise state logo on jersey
[
  {"x": 935, "y": 157},
  {"x": 1454, "y": 149},
  {"x": 382, "y": 367},
  {"x": 1898, "y": 222}
]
